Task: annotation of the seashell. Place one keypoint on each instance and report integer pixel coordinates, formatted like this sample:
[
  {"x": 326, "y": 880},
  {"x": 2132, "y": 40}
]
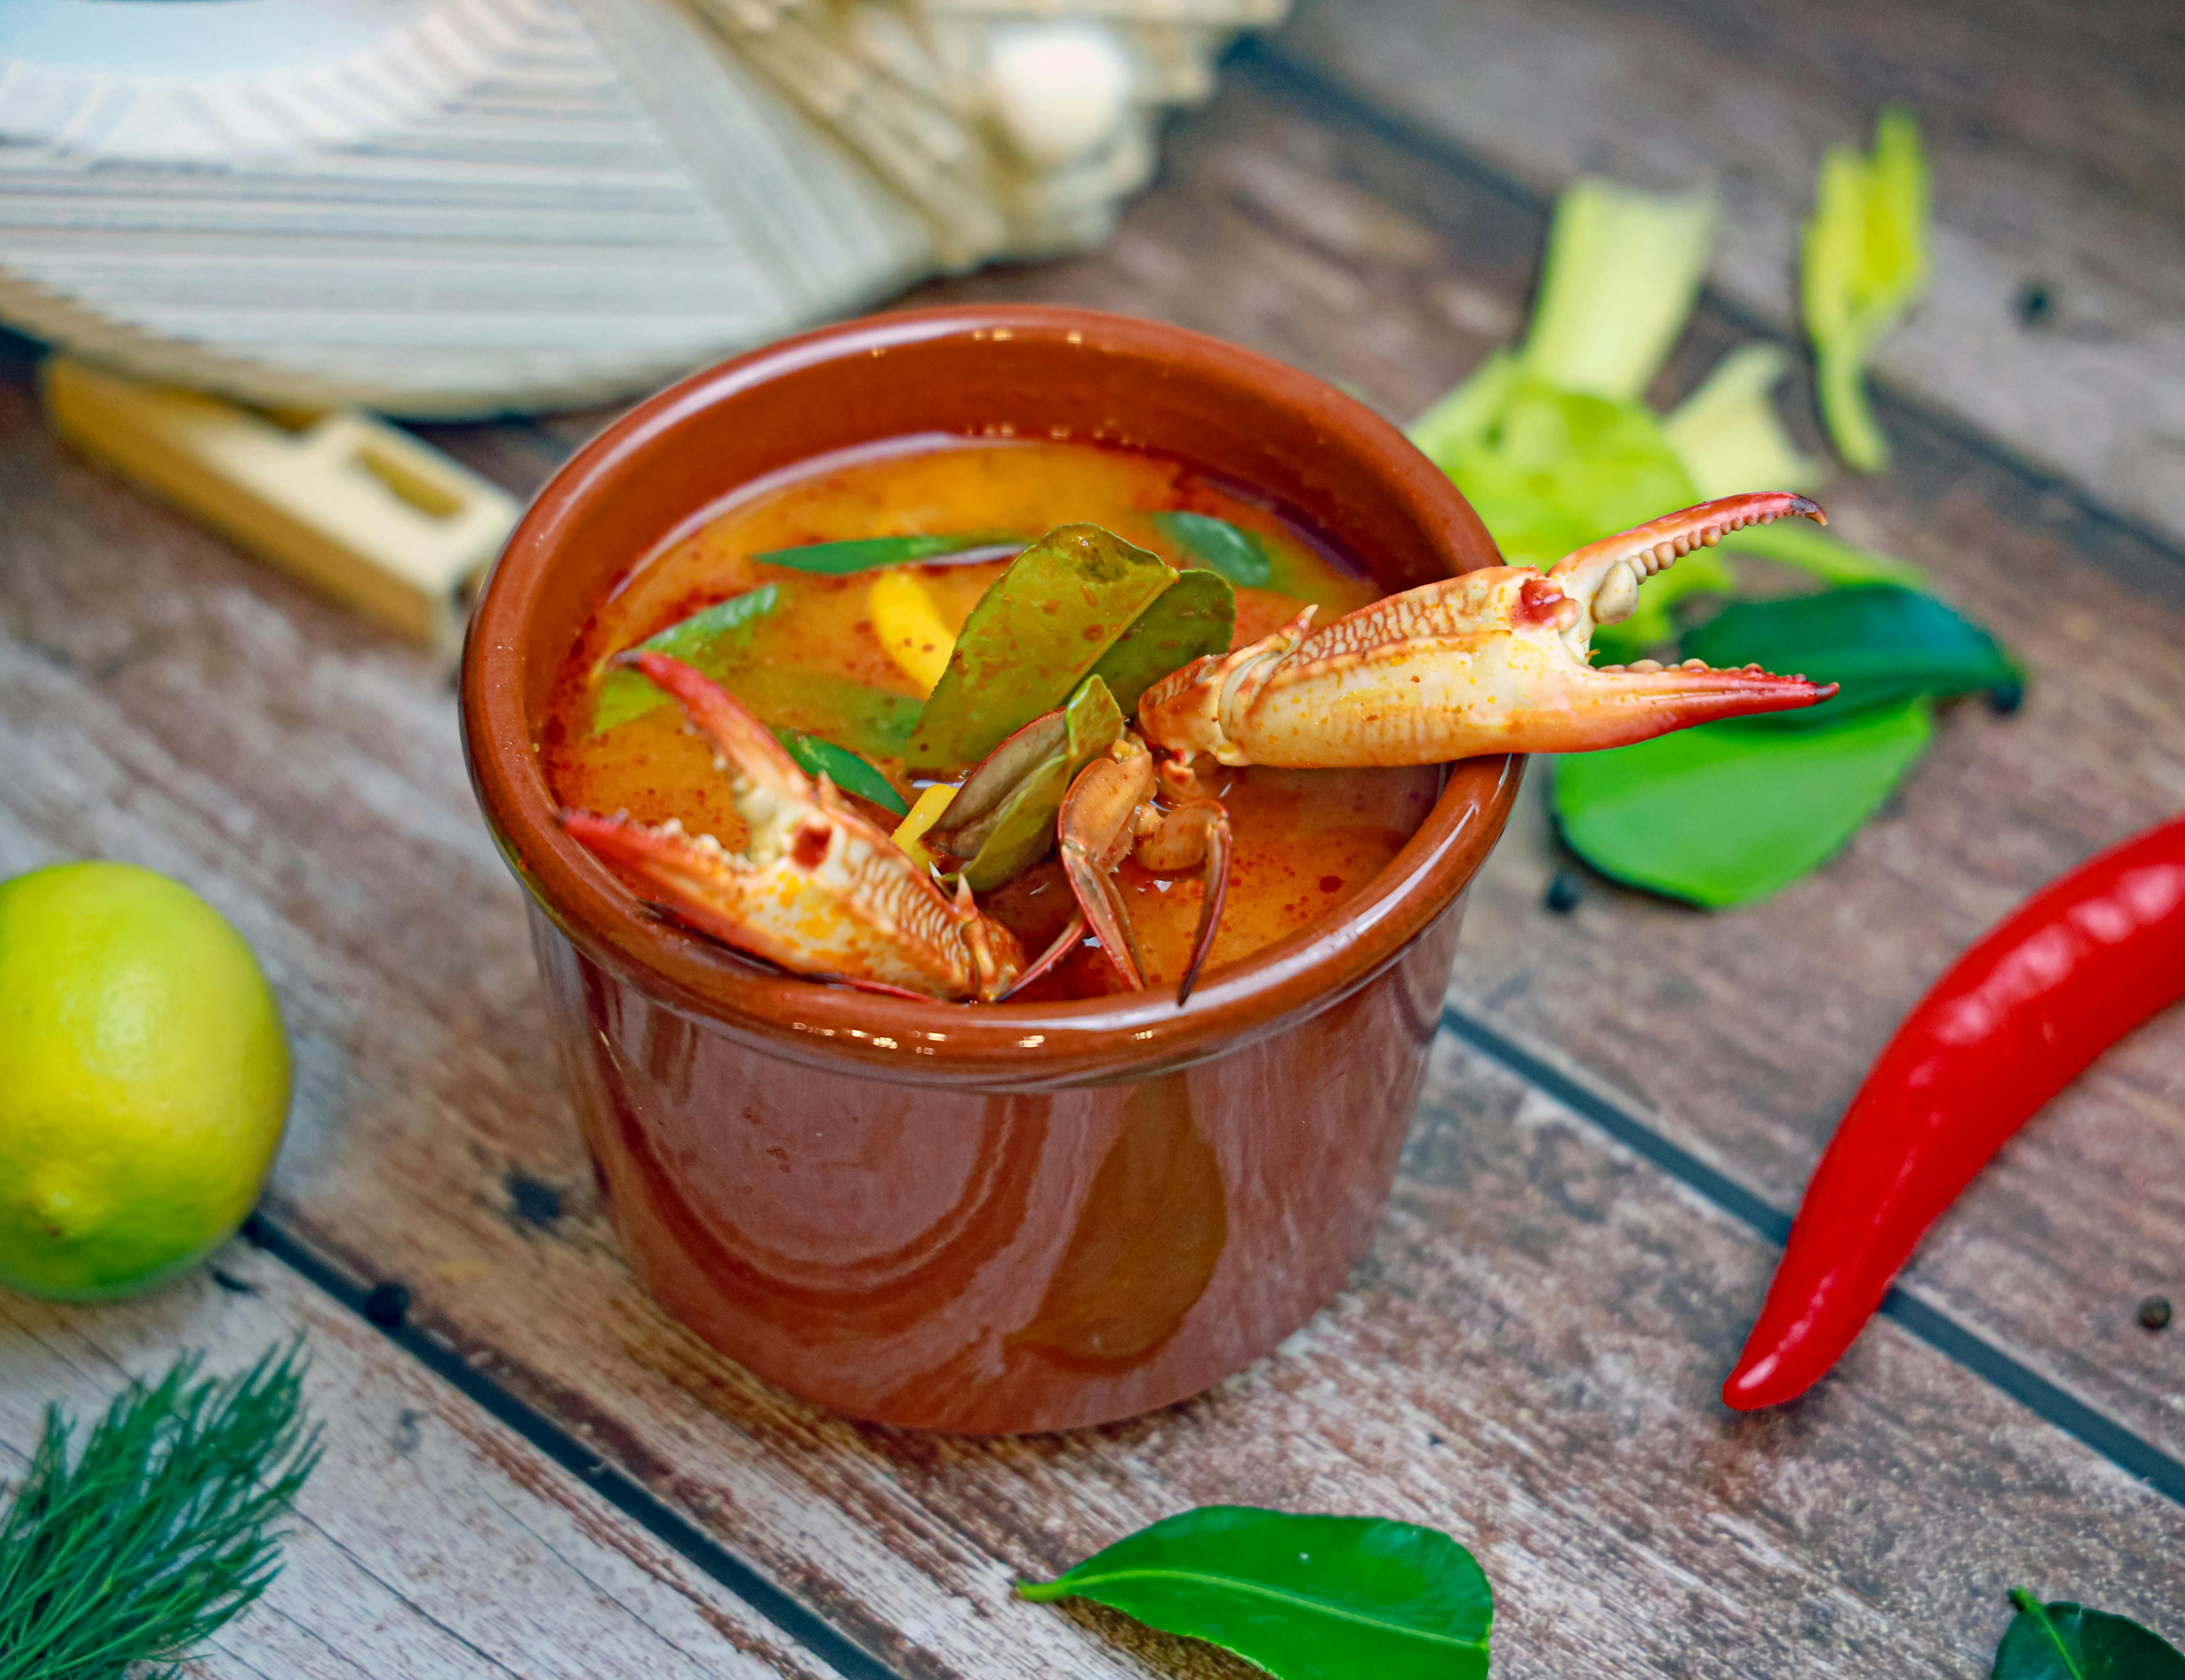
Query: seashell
[{"x": 455, "y": 207}]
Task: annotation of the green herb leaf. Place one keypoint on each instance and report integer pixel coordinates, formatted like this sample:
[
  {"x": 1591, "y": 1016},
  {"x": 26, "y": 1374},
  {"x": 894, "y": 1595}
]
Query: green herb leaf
[
  {"x": 1195, "y": 616},
  {"x": 1306, "y": 1598},
  {"x": 1460, "y": 422},
  {"x": 1041, "y": 628},
  {"x": 844, "y": 768},
  {"x": 1003, "y": 818},
  {"x": 1883, "y": 644},
  {"x": 1552, "y": 470},
  {"x": 1728, "y": 813},
  {"x": 709, "y": 641},
  {"x": 2066, "y": 1641},
  {"x": 161, "y": 1530},
  {"x": 873, "y": 722},
  {"x": 1238, "y": 554},
  {"x": 1864, "y": 261},
  {"x": 1729, "y": 437},
  {"x": 1621, "y": 272},
  {"x": 872, "y": 554}
]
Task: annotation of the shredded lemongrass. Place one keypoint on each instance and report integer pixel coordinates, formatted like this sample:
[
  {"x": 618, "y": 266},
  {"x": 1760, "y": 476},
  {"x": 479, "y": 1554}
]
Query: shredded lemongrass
[
  {"x": 1623, "y": 269},
  {"x": 910, "y": 832},
  {"x": 1727, "y": 434},
  {"x": 1865, "y": 262}
]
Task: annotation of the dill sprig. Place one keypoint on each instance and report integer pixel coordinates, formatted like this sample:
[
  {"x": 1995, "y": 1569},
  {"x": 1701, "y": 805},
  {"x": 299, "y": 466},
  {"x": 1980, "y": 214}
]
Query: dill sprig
[{"x": 138, "y": 1547}]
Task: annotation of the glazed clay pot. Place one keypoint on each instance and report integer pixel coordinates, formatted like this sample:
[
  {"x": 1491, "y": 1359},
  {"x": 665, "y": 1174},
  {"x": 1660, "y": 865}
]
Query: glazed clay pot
[{"x": 1024, "y": 1217}]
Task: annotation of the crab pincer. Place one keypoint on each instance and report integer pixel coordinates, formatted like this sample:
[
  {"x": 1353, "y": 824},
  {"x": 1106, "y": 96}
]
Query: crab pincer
[
  {"x": 818, "y": 888},
  {"x": 1493, "y": 661}
]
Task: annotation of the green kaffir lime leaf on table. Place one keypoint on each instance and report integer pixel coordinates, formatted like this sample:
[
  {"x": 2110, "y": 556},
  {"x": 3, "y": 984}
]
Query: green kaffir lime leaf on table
[
  {"x": 2066, "y": 1641},
  {"x": 1880, "y": 643},
  {"x": 1306, "y": 1598},
  {"x": 1727, "y": 813}
]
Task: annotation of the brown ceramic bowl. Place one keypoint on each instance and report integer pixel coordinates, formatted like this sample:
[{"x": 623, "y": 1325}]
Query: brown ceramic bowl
[{"x": 981, "y": 1220}]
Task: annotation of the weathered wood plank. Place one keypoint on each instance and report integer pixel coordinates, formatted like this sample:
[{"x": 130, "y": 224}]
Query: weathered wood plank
[
  {"x": 430, "y": 1542},
  {"x": 1528, "y": 1357},
  {"x": 2058, "y": 137}
]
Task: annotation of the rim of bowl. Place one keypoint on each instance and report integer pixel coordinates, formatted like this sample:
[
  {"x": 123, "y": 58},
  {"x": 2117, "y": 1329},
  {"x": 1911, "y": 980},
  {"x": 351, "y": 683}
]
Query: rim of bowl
[{"x": 1009, "y": 1046}]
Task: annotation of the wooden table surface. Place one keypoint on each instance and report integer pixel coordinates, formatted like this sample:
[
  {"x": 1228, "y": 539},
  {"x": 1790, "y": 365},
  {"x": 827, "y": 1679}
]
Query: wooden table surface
[{"x": 533, "y": 1473}]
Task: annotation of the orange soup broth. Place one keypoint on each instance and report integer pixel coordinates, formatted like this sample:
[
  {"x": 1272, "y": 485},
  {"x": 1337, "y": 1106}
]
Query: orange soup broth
[{"x": 1305, "y": 841}]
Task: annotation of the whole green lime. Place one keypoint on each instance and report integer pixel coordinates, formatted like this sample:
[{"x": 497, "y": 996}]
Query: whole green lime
[{"x": 143, "y": 1079}]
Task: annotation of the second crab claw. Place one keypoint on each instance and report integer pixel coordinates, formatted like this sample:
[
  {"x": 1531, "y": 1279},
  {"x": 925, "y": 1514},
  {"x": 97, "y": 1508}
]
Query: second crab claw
[
  {"x": 818, "y": 889},
  {"x": 1109, "y": 814},
  {"x": 1494, "y": 661}
]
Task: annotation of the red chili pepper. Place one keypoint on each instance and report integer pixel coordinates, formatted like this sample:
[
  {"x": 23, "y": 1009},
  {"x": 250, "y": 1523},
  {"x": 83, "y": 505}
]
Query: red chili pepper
[{"x": 2079, "y": 965}]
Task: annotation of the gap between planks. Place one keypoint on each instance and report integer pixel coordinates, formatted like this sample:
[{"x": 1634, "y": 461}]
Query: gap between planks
[
  {"x": 622, "y": 1491},
  {"x": 2129, "y": 1452}
]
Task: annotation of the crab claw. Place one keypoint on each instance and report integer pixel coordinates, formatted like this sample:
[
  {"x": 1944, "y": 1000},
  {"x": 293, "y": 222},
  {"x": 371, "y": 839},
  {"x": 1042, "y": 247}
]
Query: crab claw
[
  {"x": 1494, "y": 661},
  {"x": 818, "y": 889},
  {"x": 1604, "y": 577}
]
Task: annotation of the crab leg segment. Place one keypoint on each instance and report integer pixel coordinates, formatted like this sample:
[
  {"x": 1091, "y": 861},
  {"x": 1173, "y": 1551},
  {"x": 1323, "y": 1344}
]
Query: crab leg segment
[
  {"x": 818, "y": 889},
  {"x": 1097, "y": 828},
  {"x": 1109, "y": 814},
  {"x": 1196, "y": 833},
  {"x": 1494, "y": 661}
]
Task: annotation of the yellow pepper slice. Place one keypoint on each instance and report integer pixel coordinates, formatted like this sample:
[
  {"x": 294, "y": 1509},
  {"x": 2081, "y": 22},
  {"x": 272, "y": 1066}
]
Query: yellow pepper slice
[
  {"x": 910, "y": 628},
  {"x": 910, "y": 832}
]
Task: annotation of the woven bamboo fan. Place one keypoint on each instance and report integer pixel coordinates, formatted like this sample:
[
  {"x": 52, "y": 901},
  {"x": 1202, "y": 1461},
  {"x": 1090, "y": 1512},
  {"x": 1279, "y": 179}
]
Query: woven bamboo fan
[{"x": 452, "y": 207}]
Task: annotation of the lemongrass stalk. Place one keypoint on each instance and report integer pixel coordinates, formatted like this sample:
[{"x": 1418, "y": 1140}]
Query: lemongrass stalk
[
  {"x": 1462, "y": 420},
  {"x": 1621, "y": 272},
  {"x": 1729, "y": 437}
]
